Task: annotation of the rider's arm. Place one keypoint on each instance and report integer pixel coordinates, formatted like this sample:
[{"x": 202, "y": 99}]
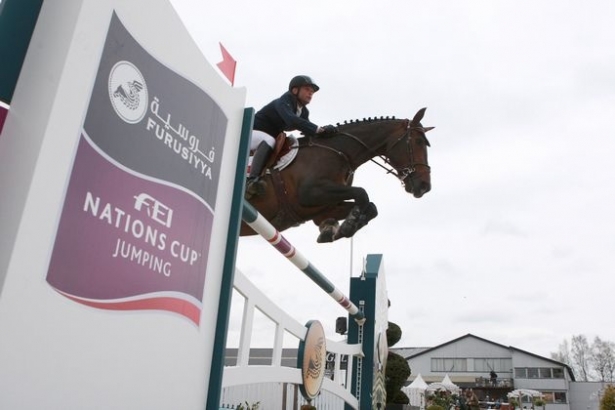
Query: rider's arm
[{"x": 284, "y": 107}]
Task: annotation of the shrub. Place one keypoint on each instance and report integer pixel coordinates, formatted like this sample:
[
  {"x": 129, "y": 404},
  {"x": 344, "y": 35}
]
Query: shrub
[
  {"x": 393, "y": 334},
  {"x": 607, "y": 402},
  {"x": 396, "y": 373}
]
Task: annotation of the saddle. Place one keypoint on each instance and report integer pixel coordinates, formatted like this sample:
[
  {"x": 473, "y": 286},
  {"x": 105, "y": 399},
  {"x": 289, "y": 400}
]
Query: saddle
[{"x": 284, "y": 152}]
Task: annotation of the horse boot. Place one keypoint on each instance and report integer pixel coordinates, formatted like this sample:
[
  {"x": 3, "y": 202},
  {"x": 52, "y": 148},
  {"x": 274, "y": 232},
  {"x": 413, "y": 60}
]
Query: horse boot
[
  {"x": 357, "y": 219},
  {"x": 328, "y": 228},
  {"x": 350, "y": 224},
  {"x": 255, "y": 186}
]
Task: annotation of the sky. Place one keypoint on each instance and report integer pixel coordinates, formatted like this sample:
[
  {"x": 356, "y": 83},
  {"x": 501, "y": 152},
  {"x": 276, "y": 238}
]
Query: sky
[{"x": 515, "y": 241}]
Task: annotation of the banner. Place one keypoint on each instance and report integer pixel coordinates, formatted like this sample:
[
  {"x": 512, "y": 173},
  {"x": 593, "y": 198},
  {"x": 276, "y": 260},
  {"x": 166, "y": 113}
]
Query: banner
[{"x": 135, "y": 229}]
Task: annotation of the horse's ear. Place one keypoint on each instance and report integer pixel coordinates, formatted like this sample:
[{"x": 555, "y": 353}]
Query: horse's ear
[
  {"x": 429, "y": 128},
  {"x": 418, "y": 116}
]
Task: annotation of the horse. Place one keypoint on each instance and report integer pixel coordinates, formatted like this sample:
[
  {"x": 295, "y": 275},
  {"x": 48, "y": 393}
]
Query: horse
[{"x": 317, "y": 185}]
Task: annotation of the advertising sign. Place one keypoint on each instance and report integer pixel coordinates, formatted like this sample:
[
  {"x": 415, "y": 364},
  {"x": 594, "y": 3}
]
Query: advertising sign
[{"x": 135, "y": 229}]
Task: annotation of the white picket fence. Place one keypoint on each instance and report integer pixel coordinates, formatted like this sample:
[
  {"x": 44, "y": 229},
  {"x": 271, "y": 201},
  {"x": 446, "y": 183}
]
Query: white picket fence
[{"x": 276, "y": 386}]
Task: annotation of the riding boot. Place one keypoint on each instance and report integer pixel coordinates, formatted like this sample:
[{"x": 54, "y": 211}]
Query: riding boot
[{"x": 255, "y": 186}]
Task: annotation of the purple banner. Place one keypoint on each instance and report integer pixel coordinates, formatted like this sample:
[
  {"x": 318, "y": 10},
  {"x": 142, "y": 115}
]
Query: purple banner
[
  {"x": 135, "y": 229},
  {"x": 4, "y": 111}
]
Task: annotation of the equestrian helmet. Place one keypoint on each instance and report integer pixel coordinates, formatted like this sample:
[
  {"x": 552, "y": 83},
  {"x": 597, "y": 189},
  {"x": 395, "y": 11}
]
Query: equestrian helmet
[{"x": 301, "y": 80}]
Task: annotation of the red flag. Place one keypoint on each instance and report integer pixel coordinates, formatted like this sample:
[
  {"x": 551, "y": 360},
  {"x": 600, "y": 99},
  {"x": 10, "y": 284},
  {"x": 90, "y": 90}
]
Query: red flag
[{"x": 227, "y": 65}]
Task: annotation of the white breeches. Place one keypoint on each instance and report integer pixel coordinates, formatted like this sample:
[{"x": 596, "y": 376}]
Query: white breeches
[{"x": 260, "y": 136}]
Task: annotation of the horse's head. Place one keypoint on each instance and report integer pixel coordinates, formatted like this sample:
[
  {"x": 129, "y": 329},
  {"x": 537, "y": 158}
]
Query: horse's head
[{"x": 408, "y": 155}]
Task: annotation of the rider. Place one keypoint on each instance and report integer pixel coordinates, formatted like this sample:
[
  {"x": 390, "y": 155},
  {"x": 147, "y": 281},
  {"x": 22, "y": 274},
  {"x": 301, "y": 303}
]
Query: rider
[{"x": 287, "y": 113}]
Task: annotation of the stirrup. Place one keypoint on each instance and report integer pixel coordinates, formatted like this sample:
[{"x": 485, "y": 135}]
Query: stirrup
[{"x": 255, "y": 186}]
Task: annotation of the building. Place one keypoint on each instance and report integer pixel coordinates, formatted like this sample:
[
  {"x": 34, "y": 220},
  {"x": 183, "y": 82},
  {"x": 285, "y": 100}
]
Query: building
[{"x": 469, "y": 361}]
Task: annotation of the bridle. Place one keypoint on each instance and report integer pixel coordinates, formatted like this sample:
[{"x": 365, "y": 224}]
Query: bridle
[
  {"x": 405, "y": 171},
  {"x": 400, "y": 173}
]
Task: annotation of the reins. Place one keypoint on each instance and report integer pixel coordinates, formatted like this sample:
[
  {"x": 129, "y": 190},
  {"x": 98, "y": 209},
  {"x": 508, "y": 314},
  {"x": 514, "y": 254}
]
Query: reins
[{"x": 400, "y": 173}]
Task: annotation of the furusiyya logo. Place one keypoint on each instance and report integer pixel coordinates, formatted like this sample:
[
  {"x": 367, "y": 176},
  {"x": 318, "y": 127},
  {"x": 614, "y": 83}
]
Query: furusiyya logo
[{"x": 128, "y": 92}]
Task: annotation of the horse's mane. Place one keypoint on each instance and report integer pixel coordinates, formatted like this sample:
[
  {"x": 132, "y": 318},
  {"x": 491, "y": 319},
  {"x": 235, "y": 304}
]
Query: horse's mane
[{"x": 370, "y": 119}]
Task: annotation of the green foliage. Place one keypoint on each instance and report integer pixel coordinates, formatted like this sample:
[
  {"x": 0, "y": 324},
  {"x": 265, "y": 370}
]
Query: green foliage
[
  {"x": 393, "y": 334},
  {"x": 607, "y": 402},
  {"x": 399, "y": 398},
  {"x": 435, "y": 407},
  {"x": 442, "y": 398},
  {"x": 396, "y": 374},
  {"x": 248, "y": 406}
]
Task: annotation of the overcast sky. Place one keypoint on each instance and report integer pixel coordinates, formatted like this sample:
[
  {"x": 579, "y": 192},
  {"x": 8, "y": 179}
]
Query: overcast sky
[{"x": 515, "y": 241}]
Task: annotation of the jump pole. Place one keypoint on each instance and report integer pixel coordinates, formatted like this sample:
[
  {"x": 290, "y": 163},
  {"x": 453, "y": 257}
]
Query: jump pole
[{"x": 262, "y": 226}]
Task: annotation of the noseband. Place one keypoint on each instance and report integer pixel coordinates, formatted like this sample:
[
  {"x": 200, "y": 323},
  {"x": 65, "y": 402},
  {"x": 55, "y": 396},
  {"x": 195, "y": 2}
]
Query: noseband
[{"x": 406, "y": 171}]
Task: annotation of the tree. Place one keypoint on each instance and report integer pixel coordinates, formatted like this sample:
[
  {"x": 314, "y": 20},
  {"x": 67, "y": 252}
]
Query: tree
[
  {"x": 580, "y": 355},
  {"x": 588, "y": 363},
  {"x": 602, "y": 359},
  {"x": 563, "y": 354}
]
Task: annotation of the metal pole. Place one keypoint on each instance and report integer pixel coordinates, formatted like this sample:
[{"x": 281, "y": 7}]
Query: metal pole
[{"x": 258, "y": 222}]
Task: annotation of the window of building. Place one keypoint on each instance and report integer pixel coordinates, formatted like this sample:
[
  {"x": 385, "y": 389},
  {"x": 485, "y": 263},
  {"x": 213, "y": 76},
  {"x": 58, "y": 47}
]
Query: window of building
[
  {"x": 532, "y": 372},
  {"x": 449, "y": 365},
  {"x": 496, "y": 364},
  {"x": 558, "y": 373},
  {"x": 559, "y": 397},
  {"x": 539, "y": 373}
]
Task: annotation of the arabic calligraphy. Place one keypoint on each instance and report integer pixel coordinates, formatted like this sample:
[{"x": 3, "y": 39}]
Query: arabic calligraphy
[{"x": 180, "y": 139}]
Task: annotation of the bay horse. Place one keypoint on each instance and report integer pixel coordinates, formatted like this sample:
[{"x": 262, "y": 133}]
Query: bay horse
[{"x": 317, "y": 185}]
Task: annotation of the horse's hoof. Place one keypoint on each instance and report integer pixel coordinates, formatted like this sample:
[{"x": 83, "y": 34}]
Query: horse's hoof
[
  {"x": 328, "y": 228},
  {"x": 347, "y": 229},
  {"x": 325, "y": 237}
]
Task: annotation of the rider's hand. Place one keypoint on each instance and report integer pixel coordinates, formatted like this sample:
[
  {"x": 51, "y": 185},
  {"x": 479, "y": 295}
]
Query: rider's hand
[{"x": 328, "y": 129}]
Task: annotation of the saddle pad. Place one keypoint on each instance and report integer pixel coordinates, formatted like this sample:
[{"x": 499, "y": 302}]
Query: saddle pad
[{"x": 287, "y": 158}]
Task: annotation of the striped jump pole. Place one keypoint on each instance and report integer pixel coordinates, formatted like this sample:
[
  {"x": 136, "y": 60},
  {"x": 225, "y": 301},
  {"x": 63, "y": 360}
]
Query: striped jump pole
[{"x": 262, "y": 226}]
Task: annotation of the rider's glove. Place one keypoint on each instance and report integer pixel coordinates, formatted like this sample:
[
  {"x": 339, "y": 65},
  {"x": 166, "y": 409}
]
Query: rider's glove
[{"x": 329, "y": 129}]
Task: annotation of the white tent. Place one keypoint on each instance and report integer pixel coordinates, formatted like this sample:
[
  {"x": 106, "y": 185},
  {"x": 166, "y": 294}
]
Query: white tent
[
  {"x": 452, "y": 387},
  {"x": 445, "y": 384},
  {"x": 416, "y": 392}
]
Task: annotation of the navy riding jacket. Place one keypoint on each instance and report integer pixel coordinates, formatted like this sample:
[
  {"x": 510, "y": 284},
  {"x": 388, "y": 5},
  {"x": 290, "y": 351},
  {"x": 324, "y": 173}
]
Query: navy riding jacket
[{"x": 281, "y": 115}]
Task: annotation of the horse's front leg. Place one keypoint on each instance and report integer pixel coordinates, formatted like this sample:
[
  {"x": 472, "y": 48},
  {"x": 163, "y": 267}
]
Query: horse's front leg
[
  {"x": 327, "y": 221},
  {"x": 325, "y": 193}
]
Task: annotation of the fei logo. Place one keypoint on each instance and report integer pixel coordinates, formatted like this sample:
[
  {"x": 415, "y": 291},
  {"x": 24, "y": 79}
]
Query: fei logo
[
  {"x": 156, "y": 210},
  {"x": 128, "y": 92}
]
